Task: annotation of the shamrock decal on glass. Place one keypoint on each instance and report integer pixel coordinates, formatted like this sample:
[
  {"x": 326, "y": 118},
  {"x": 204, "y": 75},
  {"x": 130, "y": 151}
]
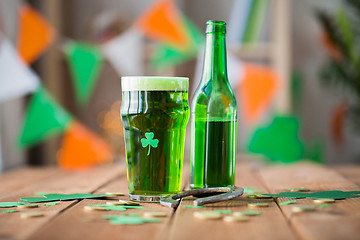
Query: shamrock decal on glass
[{"x": 149, "y": 141}]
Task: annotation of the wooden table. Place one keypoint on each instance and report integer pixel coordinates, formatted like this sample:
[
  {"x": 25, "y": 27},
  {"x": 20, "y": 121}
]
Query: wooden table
[{"x": 68, "y": 220}]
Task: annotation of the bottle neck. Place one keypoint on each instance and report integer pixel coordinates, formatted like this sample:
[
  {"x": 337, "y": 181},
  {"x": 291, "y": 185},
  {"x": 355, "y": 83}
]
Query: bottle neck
[{"x": 215, "y": 57}]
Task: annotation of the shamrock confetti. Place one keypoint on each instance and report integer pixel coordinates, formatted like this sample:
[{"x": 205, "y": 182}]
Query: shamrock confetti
[
  {"x": 336, "y": 194},
  {"x": 50, "y": 204},
  {"x": 223, "y": 211},
  {"x": 191, "y": 206},
  {"x": 61, "y": 197},
  {"x": 9, "y": 211},
  {"x": 10, "y": 204},
  {"x": 128, "y": 220},
  {"x": 116, "y": 207},
  {"x": 149, "y": 141},
  {"x": 288, "y": 202}
]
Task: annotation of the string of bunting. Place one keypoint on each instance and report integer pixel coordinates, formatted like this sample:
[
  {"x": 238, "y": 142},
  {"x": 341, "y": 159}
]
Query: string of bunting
[{"x": 177, "y": 40}]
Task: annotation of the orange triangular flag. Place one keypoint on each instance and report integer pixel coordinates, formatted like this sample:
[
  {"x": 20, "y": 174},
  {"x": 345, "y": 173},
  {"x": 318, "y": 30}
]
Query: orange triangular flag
[
  {"x": 256, "y": 90},
  {"x": 82, "y": 148},
  {"x": 35, "y": 34},
  {"x": 162, "y": 22}
]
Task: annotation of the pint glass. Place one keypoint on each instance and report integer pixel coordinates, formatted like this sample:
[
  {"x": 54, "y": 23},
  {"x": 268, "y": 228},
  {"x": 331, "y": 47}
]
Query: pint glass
[{"x": 154, "y": 113}]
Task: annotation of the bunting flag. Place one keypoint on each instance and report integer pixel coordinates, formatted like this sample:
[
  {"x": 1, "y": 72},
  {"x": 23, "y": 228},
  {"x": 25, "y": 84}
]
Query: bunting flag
[
  {"x": 256, "y": 90},
  {"x": 165, "y": 56},
  {"x": 35, "y": 34},
  {"x": 162, "y": 22},
  {"x": 85, "y": 62},
  {"x": 16, "y": 78},
  {"x": 125, "y": 53},
  {"x": 81, "y": 148},
  {"x": 44, "y": 118},
  {"x": 338, "y": 123},
  {"x": 279, "y": 141}
]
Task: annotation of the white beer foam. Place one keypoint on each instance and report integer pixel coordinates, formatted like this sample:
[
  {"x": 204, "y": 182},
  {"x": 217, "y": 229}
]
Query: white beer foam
[{"x": 155, "y": 84}]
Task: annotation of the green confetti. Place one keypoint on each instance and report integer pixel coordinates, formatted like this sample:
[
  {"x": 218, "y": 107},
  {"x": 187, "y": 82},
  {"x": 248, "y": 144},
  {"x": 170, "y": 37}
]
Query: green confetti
[
  {"x": 128, "y": 220},
  {"x": 191, "y": 206},
  {"x": 288, "y": 202},
  {"x": 223, "y": 211},
  {"x": 302, "y": 189},
  {"x": 50, "y": 204},
  {"x": 250, "y": 212},
  {"x": 116, "y": 207},
  {"x": 40, "y": 193},
  {"x": 250, "y": 190},
  {"x": 9, "y": 211},
  {"x": 10, "y": 204},
  {"x": 336, "y": 194},
  {"x": 323, "y": 206},
  {"x": 61, "y": 197}
]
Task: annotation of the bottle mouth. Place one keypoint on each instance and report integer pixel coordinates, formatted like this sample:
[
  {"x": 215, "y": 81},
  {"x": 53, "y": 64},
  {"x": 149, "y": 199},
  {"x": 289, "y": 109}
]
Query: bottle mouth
[{"x": 215, "y": 26}]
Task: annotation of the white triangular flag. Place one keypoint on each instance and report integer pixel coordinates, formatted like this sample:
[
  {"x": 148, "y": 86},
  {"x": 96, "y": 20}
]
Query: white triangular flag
[
  {"x": 125, "y": 53},
  {"x": 16, "y": 79}
]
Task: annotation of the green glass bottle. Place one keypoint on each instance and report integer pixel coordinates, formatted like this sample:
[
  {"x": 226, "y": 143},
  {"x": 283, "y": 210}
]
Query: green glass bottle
[{"x": 213, "y": 117}]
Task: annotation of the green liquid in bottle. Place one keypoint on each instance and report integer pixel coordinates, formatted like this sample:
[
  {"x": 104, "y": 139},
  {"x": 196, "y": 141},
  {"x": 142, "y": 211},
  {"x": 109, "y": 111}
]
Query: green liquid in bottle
[{"x": 213, "y": 118}]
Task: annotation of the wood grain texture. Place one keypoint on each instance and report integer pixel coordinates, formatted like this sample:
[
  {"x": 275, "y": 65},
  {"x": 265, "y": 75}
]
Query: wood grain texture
[
  {"x": 76, "y": 223},
  {"x": 351, "y": 173},
  {"x": 269, "y": 225},
  {"x": 13, "y": 227},
  {"x": 16, "y": 179},
  {"x": 341, "y": 221}
]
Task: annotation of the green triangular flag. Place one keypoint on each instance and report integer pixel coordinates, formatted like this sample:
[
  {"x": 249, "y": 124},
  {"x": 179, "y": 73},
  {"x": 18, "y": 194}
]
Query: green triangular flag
[
  {"x": 85, "y": 62},
  {"x": 167, "y": 56},
  {"x": 44, "y": 118},
  {"x": 279, "y": 141}
]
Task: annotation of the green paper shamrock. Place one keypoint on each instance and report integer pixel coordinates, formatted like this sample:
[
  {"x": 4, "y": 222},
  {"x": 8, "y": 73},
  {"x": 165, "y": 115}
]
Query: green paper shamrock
[
  {"x": 149, "y": 141},
  {"x": 336, "y": 194},
  {"x": 279, "y": 140},
  {"x": 61, "y": 197}
]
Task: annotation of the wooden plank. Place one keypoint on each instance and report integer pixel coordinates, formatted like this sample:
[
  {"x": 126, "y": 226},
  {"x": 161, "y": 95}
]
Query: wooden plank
[
  {"x": 269, "y": 225},
  {"x": 351, "y": 173},
  {"x": 76, "y": 223},
  {"x": 16, "y": 179},
  {"x": 341, "y": 221},
  {"x": 12, "y": 227}
]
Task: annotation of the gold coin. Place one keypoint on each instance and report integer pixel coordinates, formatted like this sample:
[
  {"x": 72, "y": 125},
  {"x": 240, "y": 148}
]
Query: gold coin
[
  {"x": 31, "y": 214},
  {"x": 298, "y": 209},
  {"x": 324, "y": 200},
  {"x": 94, "y": 208},
  {"x": 115, "y": 194},
  {"x": 154, "y": 214},
  {"x": 257, "y": 205},
  {"x": 207, "y": 215},
  {"x": 129, "y": 203},
  {"x": 27, "y": 206},
  {"x": 239, "y": 218},
  {"x": 114, "y": 203}
]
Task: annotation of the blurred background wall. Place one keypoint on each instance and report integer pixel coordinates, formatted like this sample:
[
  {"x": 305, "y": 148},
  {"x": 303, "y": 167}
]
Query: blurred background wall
[{"x": 78, "y": 19}]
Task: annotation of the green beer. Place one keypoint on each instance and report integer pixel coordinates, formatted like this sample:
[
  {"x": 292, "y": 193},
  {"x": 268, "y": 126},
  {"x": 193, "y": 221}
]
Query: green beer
[
  {"x": 213, "y": 117},
  {"x": 154, "y": 114}
]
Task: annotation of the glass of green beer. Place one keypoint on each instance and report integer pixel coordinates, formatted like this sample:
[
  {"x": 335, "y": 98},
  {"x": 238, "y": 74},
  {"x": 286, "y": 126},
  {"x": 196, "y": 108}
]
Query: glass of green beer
[{"x": 154, "y": 113}]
